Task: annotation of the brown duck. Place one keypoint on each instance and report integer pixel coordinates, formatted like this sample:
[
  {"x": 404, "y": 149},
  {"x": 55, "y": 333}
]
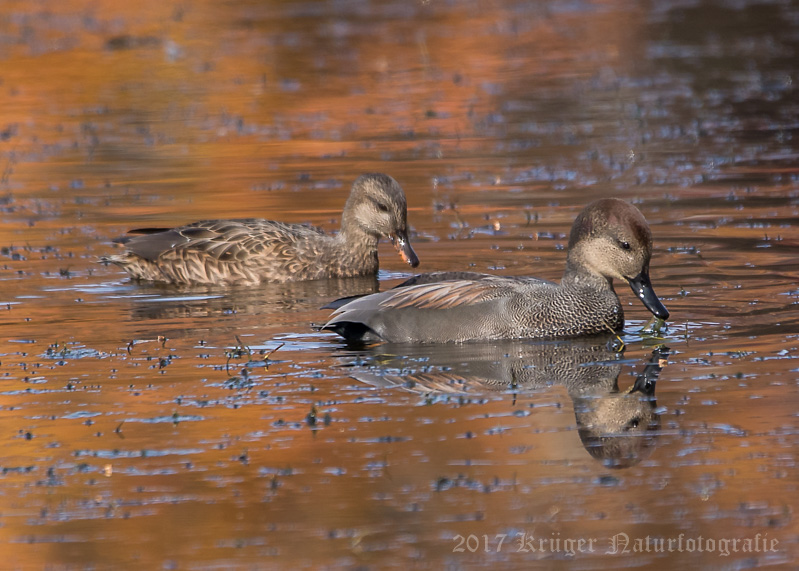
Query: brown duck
[
  {"x": 609, "y": 240},
  {"x": 252, "y": 251}
]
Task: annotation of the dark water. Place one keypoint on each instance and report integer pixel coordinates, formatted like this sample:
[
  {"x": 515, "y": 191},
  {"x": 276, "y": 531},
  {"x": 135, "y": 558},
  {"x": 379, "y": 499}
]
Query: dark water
[{"x": 151, "y": 427}]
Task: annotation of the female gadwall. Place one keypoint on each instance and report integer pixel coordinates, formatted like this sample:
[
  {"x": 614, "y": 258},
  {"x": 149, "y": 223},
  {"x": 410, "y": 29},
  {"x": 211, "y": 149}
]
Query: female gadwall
[
  {"x": 253, "y": 251},
  {"x": 609, "y": 239}
]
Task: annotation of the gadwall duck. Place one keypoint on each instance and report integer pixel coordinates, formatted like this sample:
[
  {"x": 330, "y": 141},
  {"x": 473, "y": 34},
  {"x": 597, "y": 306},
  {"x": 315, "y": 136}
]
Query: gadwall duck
[
  {"x": 609, "y": 239},
  {"x": 253, "y": 251}
]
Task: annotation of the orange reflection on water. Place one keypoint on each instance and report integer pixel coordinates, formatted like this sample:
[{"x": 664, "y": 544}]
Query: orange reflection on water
[{"x": 500, "y": 120}]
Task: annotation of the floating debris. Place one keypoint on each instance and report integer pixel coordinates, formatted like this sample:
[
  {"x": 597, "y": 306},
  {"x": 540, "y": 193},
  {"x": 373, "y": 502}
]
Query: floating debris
[{"x": 654, "y": 327}]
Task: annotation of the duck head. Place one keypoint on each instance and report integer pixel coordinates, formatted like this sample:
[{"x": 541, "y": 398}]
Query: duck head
[
  {"x": 378, "y": 207},
  {"x": 611, "y": 238}
]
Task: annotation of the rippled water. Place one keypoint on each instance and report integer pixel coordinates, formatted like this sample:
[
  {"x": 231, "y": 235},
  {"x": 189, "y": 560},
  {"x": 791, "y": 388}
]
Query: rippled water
[{"x": 152, "y": 427}]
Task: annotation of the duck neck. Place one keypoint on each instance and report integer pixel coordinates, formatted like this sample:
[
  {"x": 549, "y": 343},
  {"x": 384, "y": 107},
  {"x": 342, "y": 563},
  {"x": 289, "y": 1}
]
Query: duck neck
[
  {"x": 356, "y": 246},
  {"x": 577, "y": 275},
  {"x": 581, "y": 282}
]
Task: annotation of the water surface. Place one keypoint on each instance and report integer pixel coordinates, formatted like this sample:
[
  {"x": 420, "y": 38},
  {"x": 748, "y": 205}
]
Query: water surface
[{"x": 153, "y": 427}]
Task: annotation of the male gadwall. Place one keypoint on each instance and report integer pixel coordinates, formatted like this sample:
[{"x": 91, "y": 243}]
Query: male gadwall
[
  {"x": 252, "y": 251},
  {"x": 609, "y": 239}
]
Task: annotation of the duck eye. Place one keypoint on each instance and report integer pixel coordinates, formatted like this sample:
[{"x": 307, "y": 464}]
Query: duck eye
[
  {"x": 382, "y": 207},
  {"x": 624, "y": 245},
  {"x": 634, "y": 422}
]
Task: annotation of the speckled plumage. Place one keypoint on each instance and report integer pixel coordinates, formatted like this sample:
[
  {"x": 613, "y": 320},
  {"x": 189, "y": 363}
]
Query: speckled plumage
[
  {"x": 254, "y": 250},
  {"x": 609, "y": 239}
]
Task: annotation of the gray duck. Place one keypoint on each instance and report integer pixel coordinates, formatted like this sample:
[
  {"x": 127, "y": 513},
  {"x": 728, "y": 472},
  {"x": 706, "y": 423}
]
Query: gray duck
[
  {"x": 252, "y": 251},
  {"x": 610, "y": 239}
]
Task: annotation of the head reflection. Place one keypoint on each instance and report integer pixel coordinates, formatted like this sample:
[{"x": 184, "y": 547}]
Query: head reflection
[{"x": 616, "y": 426}]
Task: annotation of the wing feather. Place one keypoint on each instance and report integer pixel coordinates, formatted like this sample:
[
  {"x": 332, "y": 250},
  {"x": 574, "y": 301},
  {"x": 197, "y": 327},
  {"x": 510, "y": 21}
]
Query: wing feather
[
  {"x": 446, "y": 294},
  {"x": 221, "y": 240}
]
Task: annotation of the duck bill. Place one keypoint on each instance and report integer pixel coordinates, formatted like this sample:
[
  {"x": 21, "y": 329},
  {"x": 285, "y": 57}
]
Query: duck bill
[
  {"x": 645, "y": 383},
  {"x": 403, "y": 246},
  {"x": 642, "y": 287}
]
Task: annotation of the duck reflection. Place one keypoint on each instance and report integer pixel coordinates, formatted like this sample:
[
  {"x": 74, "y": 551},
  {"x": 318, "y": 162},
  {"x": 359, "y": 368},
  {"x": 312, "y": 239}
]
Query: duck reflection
[
  {"x": 618, "y": 427},
  {"x": 157, "y": 301}
]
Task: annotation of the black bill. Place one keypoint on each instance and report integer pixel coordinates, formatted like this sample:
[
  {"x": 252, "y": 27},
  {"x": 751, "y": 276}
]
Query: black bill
[
  {"x": 643, "y": 289},
  {"x": 645, "y": 382}
]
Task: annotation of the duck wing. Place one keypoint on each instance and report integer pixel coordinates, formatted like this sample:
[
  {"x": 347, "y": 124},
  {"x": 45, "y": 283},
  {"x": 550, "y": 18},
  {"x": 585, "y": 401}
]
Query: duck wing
[
  {"x": 445, "y": 294},
  {"x": 222, "y": 240},
  {"x": 433, "y": 277},
  {"x": 436, "y": 277},
  {"x": 439, "y": 311}
]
